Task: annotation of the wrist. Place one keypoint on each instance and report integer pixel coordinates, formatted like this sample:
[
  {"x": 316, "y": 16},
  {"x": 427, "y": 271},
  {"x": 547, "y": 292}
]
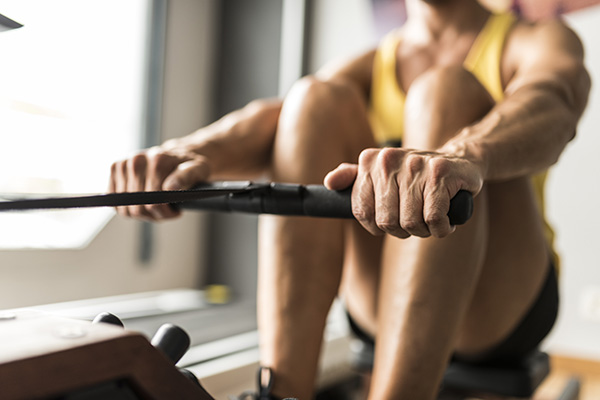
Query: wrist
[{"x": 463, "y": 146}]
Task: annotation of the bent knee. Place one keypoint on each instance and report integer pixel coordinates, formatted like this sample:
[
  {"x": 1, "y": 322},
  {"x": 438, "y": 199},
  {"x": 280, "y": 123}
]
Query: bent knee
[
  {"x": 337, "y": 94},
  {"x": 452, "y": 85},
  {"x": 442, "y": 101}
]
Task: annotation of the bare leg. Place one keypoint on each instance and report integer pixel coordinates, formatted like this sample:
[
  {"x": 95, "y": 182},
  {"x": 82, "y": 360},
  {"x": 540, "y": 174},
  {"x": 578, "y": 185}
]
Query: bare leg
[
  {"x": 300, "y": 259},
  {"x": 437, "y": 296}
]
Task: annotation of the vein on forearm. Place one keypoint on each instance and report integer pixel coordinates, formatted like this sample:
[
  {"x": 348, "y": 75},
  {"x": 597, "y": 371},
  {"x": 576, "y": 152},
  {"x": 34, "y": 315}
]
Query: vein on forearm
[{"x": 522, "y": 135}]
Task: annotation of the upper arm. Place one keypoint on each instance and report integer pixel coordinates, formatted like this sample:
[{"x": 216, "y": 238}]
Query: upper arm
[
  {"x": 356, "y": 71},
  {"x": 549, "y": 56}
]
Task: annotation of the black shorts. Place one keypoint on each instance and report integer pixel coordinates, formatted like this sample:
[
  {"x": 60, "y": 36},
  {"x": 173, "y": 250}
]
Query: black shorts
[{"x": 526, "y": 337}]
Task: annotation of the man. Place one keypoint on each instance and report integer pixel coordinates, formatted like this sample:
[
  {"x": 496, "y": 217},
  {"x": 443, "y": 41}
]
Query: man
[{"x": 424, "y": 290}]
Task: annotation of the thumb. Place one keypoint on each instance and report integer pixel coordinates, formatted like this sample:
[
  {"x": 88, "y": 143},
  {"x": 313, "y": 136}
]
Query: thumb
[
  {"x": 341, "y": 177},
  {"x": 187, "y": 174}
]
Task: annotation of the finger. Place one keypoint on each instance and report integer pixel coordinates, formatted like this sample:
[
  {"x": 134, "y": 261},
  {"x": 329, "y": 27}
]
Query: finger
[
  {"x": 341, "y": 177},
  {"x": 120, "y": 185},
  {"x": 184, "y": 176},
  {"x": 435, "y": 213},
  {"x": 160, "y": 166},
  {"x": 363, "y": 204},
  {"x": 363, "y": 197},
  {"x": 411, "y": 211},
  {"x": 387, "y": 208},
  {"x": 136, "y": 182},
  {"x": 387, "y": 193},
  {"x": 187, "y": 174},
  {"x": 113, "y": 177},
  {"x": 387, "y": 213}
]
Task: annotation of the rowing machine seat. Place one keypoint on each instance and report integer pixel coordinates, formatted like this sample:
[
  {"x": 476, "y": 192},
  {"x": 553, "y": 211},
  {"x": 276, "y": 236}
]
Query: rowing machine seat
[{"x": 518, "y": 379}]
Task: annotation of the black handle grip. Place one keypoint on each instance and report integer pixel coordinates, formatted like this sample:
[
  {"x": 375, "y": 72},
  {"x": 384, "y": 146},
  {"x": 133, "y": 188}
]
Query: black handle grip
[
  {"x": 321, "y": 202},
  {"x": 461, "y": 208},
  {"x": 310, "y": 200}
]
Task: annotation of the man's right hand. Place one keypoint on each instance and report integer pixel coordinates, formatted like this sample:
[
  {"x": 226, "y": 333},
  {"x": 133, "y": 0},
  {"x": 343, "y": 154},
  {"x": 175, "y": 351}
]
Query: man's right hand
[{"x": 157, "y": 169}]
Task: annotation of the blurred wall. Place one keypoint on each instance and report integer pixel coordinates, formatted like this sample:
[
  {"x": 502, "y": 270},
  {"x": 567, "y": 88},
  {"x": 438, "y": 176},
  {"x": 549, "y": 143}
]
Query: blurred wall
[{"x": 111, "y": 264}]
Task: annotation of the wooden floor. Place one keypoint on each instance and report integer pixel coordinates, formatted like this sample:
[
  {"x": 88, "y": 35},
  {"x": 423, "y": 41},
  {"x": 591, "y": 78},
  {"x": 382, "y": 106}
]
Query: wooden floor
[{"x": 564, "y": 369}]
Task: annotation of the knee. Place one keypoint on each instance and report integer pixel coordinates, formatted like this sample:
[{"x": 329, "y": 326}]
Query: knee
[
  {"x": 440, "y": 102},
  {"x": 331, "y": 96},
  {"x": 450, "y": 88},
  {"x": 450, "y": 78}
]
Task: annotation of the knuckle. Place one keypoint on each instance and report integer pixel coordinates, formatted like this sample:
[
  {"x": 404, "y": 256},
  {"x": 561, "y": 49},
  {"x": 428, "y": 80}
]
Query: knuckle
[
  {"x": 387, "y": 159},
  {"x": 138, "y": 163},
  {"x": 402, "y": 234},
  {"x": 160, "y": 162},
  {"x": 435, "y": 219},
  {"x": 414, "y": 163},
  {"x": 114, "y": 168},
  {"x": 439, "y": 168},
  {"x": 387, "y": 223},
  {"x": 367, "y": 156},
  {"x": 158, "y": 158},
  {"x": 361, "y": 214},
  {"x": 411, "y": 225},
  {"x": 416, "y": 228}
]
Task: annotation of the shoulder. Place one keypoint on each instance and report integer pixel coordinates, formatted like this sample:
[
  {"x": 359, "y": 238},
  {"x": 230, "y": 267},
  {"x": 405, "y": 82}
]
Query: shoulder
[
  {"x": 552, "y": 33},
  {"x": 533, "y": 43},
  {"x": 547, "y": 55}
]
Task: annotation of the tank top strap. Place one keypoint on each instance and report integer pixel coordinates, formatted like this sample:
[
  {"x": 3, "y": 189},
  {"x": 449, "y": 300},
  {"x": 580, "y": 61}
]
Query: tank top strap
[
  {"x": 485, "y": 57},
  {"x": 387, "y": 98}
]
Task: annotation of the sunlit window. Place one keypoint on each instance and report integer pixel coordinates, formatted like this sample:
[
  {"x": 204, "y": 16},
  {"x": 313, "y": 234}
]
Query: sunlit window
[{"x": 72, "y": 83}]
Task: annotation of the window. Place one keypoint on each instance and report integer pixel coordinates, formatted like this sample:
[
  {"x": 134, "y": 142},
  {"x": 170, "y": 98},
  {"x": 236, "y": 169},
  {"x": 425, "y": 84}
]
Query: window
[{"x": 72, "y": 101}]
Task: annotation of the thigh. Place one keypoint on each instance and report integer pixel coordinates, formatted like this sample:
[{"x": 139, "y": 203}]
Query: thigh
[
  {"x": 514, "y": 270},
  {"x": 361, "y": 275}
]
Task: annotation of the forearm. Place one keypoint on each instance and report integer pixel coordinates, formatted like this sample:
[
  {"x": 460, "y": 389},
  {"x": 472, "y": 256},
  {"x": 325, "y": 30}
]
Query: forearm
[
  {"x": 239, "y": 144},
  {"x": 522, "y": 135}
]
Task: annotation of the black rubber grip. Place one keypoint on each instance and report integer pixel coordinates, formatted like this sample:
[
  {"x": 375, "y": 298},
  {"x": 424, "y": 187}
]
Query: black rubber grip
[
  {"x": 322, "y": 202},
  {"x": 310, "y": 200}
]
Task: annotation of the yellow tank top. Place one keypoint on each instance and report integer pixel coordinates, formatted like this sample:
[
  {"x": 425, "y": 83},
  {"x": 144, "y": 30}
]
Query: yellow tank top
[{"x": 483, "y": 60}]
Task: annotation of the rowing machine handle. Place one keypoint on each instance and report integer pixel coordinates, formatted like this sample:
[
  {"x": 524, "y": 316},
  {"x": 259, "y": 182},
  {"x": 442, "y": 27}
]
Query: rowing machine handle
[
  {"x": 309, "y": 200},
  {"x": 322, "y": 202}
]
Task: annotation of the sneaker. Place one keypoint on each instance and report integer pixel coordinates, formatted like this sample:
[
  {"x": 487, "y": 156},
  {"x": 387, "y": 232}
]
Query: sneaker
[{"x": 265, "y": 382}]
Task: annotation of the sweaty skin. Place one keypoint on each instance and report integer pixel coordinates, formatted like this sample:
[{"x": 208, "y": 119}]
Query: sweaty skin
[{"x": 422, "y": 288}]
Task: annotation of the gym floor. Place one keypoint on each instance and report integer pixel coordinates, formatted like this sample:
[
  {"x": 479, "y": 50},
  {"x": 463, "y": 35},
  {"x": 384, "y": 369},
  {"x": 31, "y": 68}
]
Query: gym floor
[{"x": 563, "y": 369}]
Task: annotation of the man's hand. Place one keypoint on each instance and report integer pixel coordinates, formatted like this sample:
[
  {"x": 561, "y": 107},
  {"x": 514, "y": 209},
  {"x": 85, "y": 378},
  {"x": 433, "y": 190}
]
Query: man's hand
[
  {"x": 157, "y": 169},
  {"x": 405, "y": 192}
]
